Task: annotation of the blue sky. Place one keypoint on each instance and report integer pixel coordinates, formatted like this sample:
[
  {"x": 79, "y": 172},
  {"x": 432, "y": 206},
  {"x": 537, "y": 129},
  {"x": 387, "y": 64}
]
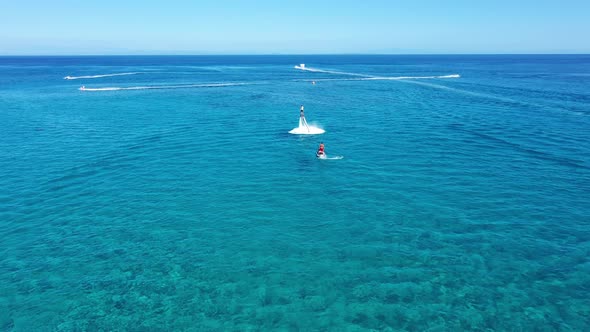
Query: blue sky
[{"x": 293, "y": 27}]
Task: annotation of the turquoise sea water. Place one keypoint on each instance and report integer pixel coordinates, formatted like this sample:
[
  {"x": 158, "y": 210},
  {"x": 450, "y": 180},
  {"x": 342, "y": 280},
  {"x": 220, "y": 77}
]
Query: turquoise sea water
[{"x": 460, "y": 204}]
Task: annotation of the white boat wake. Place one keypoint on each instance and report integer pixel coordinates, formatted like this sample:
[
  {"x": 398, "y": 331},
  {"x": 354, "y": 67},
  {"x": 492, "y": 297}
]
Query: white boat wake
[
  {"x": 160, "y": 87},
  {"x": 97, "y": 76},
  {"x": 410, "y": 77},
  {"x": 325, "y": 157},
  {"x": 315, "y": 70},
  {"x": 364, "y": 77}
]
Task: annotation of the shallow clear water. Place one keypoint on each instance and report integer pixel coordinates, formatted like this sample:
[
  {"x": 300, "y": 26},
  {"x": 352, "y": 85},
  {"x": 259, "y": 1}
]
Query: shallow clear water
[{"x": 461, "y": 203}]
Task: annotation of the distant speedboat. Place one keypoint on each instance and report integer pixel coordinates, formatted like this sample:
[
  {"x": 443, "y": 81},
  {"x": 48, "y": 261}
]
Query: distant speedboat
[
  {"x": 301, "y": 66},
  {"x": 68, "y": 78},
  {"x": 82, "y": 88}
]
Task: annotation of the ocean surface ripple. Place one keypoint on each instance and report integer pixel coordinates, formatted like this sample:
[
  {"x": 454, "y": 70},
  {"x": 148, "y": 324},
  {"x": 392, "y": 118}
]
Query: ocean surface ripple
[{"x": 171, "y": 197}]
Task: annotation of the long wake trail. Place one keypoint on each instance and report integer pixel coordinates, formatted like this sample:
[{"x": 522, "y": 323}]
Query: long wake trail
[
  {"x": 316, "y": 70},
  {"x": 161, "y": 87},
  {"x": 365, "y": 77},
  {"x": 98, "y": 76}
]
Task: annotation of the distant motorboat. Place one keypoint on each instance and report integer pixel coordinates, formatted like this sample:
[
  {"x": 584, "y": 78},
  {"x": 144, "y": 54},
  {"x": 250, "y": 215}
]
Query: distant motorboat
[{"x": 301, "y": 66}]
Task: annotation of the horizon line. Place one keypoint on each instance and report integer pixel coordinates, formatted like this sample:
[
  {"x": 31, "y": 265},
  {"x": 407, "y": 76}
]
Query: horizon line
[{"x": 276, "y": 54}]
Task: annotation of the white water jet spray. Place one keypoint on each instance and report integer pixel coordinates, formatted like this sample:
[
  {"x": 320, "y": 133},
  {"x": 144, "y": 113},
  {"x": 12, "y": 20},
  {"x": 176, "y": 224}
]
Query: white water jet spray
[{"x": 304, "y": 128}]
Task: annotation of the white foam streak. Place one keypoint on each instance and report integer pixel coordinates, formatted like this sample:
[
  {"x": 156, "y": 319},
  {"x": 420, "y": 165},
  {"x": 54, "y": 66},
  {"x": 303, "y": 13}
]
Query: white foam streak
[
  {"x": 325, "y": 157},
  {"x": 160, "y": 87},
  {"x": 378, "y": 78},
  {"x": 315, "y": 70},
  {"x": 97, "y": 76},
  {"x": 364, "y": 77},
  {"x": 470, "y": 93},
  {"x": 411, "y": 77}
]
